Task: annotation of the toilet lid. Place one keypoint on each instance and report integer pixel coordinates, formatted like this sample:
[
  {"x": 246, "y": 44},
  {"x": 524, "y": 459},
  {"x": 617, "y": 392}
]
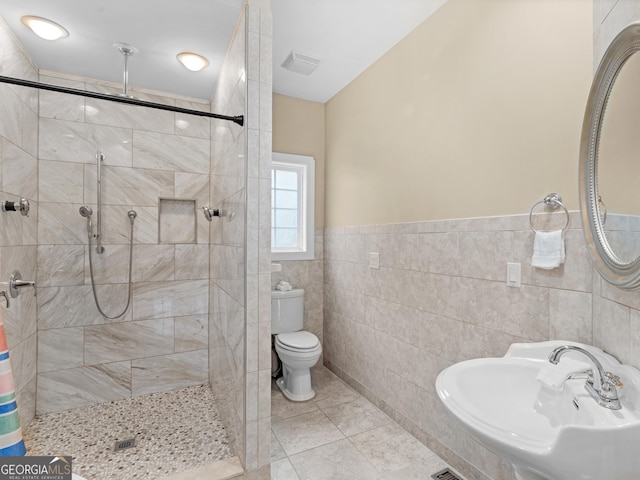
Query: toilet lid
[{"x": 298, "y": 340}]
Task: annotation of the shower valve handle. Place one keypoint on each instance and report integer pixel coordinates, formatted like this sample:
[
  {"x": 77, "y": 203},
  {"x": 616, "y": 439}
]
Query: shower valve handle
[
  {"x": 209, "y": 213},
  {"x": 3, "y": 293},
  {"x": 22, "y": 206}
]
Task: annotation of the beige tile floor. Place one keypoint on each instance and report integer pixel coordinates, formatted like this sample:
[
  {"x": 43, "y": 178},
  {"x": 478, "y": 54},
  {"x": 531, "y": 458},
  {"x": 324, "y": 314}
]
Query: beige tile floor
[{"x": 341, "y": 435}]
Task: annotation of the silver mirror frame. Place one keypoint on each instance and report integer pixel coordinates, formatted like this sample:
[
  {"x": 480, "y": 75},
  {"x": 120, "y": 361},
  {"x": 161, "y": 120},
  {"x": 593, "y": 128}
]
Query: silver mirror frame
[{"x": 625, "y": 275}]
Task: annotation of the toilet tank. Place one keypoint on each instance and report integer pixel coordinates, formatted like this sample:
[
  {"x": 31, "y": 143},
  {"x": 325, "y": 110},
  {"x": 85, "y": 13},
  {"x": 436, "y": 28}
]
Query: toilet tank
[{"x": 287, "y": 311}]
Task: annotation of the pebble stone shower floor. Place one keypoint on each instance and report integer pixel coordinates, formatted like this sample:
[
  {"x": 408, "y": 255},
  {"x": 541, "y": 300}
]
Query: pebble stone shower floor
[{"x": 174, "y": 431}]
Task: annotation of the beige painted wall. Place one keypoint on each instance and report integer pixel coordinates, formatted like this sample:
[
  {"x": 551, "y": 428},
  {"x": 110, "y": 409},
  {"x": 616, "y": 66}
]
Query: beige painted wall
[
  {"x": 298, "y": 128},
  {"x": 475, "y": 113}
]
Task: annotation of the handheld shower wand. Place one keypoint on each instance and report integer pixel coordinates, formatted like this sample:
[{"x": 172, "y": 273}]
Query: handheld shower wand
[{"x": 86, "y": 211}]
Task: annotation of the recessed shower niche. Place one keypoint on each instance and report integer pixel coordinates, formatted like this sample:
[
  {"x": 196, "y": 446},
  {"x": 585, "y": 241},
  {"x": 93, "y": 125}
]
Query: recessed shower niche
[{"x": 177, "y": 221}]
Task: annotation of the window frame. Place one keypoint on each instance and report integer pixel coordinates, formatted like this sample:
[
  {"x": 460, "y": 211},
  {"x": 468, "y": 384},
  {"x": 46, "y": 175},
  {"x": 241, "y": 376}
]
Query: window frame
[{"x": 305, "y": 250}]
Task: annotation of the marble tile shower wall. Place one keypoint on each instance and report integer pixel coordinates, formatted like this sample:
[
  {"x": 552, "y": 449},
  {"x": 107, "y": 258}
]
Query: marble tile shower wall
[
  {"x": 440, "y": 297},
  {"x": 227, "y": 249},
  {"x": 240, "y": 337},
  {"x": 161, "y": 343},
  {"x": 18, "y": 234},
  {"x": 258, "y": 261}
]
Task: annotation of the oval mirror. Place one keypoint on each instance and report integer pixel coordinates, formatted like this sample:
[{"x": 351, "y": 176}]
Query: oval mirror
[{"x": 610, "y": 163}]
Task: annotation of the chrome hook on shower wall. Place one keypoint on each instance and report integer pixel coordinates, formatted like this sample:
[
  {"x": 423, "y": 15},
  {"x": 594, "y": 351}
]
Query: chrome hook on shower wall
[{"x": 22, "y": 206}]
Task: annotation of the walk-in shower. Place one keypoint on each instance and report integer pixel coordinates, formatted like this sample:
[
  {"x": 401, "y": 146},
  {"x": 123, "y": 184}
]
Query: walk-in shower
[
  {"x": 87, "y": 212},
  {"x": 113, "y": 226},
  {"x": 177, "y": 353}
]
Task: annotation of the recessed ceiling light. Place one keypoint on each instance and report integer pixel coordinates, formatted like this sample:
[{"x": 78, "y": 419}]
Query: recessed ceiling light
[
  {"x": 45, "y": 28},
  {"x": 192, "y": 61}
]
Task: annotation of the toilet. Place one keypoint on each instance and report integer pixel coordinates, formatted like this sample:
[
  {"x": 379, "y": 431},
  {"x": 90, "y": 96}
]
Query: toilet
[{"x": 297, "y": 349}]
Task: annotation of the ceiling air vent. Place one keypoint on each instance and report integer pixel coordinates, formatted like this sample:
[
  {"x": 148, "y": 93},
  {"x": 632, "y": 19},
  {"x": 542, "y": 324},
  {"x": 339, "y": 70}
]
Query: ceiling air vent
[{"x": 301, "y": 63}]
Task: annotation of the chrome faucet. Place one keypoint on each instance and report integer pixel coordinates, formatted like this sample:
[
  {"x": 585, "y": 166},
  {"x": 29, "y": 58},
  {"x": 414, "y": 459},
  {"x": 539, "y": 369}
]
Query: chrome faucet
[{"x": 601, "y": 385}]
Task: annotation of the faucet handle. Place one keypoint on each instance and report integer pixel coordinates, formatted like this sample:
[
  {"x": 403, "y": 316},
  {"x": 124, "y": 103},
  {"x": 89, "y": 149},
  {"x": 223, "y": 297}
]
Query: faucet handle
[
  {"x": 590, "y": 376},
  {"x": 608, "y": 394},
  {"x": 613, "y": 379}
]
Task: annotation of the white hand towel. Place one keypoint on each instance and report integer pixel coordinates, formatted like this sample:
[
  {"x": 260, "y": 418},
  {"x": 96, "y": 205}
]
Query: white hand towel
[
  {"x": 548, "y": 250},
  {"x": 554, "y": 376},
  {"x": 284, "y": 286}
]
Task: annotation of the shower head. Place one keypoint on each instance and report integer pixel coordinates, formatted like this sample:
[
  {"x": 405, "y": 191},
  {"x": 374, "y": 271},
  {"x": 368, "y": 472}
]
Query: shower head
[
  {"x": 126, "y": 51},
  {"x": 86, "y": 211}
]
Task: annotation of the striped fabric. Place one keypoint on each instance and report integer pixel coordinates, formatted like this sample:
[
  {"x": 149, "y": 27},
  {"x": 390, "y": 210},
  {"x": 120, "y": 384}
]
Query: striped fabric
[{"x": 11, "y": 442}]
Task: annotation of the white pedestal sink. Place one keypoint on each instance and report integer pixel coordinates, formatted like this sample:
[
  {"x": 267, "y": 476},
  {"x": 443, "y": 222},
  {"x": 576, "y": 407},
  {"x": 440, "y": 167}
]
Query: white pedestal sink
[{"x": 546, "y": 434}]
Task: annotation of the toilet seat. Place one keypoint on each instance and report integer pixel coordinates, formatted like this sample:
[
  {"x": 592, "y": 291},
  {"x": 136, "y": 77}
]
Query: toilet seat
[
  {"x": 301, "y": 341},
  {"x": 298, "y": 351}
]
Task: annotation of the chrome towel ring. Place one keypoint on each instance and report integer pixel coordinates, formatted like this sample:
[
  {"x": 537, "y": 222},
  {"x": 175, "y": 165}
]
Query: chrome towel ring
[{"x": 553, "y": 202}]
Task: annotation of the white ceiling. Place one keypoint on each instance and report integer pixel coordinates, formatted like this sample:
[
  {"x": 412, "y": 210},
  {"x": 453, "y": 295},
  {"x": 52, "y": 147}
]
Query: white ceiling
[
  {"x": 159, "y": 29},
  {"x": 348, "y": 35}
]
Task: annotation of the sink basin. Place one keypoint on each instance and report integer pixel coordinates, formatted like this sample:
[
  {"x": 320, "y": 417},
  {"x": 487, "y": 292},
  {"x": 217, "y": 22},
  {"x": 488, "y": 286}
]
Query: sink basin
[{"x": 546, "y": 433}]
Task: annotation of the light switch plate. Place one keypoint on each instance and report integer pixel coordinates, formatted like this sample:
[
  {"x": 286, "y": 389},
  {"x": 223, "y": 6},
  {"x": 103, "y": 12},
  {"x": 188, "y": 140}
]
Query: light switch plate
[
  {"x": 513, "y": 275},
  {"x": 374, "y": 260}
]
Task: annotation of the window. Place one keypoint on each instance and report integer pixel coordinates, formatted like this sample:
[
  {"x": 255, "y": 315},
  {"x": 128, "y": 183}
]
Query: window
[{"x": 292, "y": 207}]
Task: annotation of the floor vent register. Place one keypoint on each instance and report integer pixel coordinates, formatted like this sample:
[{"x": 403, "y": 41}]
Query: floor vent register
[
  {"x": 445, "y": 474},
  {"x": 128, "y": 443}
]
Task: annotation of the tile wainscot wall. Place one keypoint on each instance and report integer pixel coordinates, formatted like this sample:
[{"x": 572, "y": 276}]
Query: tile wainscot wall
[{"x": 439, "y": 297}]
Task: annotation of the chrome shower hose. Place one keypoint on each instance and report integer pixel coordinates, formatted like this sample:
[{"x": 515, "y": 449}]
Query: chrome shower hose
[{"x": 132, "y": 215}]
